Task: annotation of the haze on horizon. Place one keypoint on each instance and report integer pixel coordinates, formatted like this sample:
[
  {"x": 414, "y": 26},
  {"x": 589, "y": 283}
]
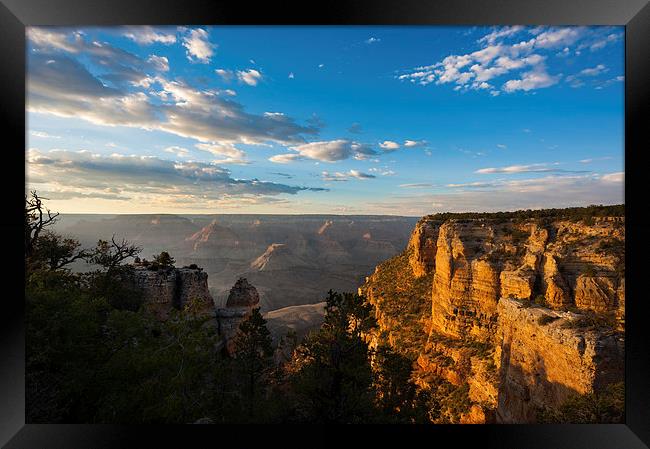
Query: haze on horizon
[{"x": 324, "y": 120}]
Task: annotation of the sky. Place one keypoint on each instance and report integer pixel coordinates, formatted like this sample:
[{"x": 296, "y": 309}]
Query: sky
[{"x": 400, "y": 120}]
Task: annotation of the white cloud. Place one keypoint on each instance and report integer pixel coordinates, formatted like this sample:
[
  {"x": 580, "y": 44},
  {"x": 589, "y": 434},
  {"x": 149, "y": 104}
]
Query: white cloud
[
  {"x": 138, "y": 175},
  {"x": 530, "y": 168},
  {"x": 537, "y": 193},
  {"x": 222, "y": 149},
  {"x": 389, "y": 145},
  {"x": 498, "y": 60},
  {"x": 291, "y": 75},
  {"x": 286, "y": 158},
  {"x": 227, "y": 75},
  {"x": 499, "y": 33},
  {"x": 60, "y": 85},
  {"x": 320, "y": 66},
  {"x": 594, "y": 71},
  {"x": 178, "y": 151},
  {"x": 420, "y": 185},
  {"x": 333, "y": 150},
  {"x": 601, "y": 43},
  {"x": 250, "y": 76},
  {"x": 198, "y": 46},
  {"x": 372, "y": 40},
  {"x": 618, "y": 177},
  {"x": 147, "y": 35},
  {"x": 534, "y": 79},
  {"x": 46, "y": 38},
  {"x": 161, "y": 63},
  {"x": 414, "y": 143},
  {"x": 338, "y": 176},
  {"x": 43, "y": 135},
  {"x": 502, "y": 146}
]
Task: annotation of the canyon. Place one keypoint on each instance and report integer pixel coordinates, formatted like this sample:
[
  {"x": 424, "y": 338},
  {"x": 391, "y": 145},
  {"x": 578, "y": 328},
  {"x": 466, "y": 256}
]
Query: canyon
[{"x": 292, "y": 260}]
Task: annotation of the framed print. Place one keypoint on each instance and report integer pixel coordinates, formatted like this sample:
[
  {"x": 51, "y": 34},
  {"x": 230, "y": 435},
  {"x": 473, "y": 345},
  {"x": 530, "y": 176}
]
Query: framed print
[{"x": 407, "y": 215}]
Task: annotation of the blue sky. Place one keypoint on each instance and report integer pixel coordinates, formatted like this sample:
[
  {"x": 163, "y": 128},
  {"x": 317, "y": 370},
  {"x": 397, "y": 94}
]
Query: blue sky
[{"x": 346, "y": 120}]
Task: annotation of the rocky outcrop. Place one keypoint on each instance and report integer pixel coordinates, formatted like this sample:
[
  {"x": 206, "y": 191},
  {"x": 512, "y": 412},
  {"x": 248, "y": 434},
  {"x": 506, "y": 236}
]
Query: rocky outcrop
[
  {"x": 422, "y": 248},
  {"x": 503, "y": 292},
  {"x": 170, "y": 288},
  {"x": 242, "y": 294},
  {"x": 544, "y": 358},
  {"x": 243, "y": 298}
]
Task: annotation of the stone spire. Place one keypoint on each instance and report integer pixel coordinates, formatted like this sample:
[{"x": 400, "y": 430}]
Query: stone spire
[{"x": 243, "y": 294}]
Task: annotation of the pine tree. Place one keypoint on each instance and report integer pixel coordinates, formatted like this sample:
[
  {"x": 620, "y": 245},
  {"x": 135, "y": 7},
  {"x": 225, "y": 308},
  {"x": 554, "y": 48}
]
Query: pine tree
[{"x": 253, "y": 362}]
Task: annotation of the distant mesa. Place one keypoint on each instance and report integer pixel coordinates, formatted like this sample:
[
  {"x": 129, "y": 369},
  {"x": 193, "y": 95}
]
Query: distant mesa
[
  {"x": 243, "y": 294},
  {"x": 278, "y": 256},
  {"x": 323, "y": 228},
  {"x": 215, "y": 234}
]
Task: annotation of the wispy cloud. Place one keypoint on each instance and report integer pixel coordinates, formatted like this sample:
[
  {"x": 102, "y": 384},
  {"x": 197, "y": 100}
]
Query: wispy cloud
[
  {"x": 147, "y": 35},
  {"x": 530, "y": 168},
  {"x": 345, "y": 176},
  {"x": 43, "y": 135}
]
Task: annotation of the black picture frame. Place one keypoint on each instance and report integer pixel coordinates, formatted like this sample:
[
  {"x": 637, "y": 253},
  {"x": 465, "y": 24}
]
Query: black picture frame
[{"x": 15, "y": 15}]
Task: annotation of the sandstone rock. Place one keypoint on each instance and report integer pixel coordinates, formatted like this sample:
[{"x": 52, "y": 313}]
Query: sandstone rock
[
  {"x": 517, "y": 284},
  {"x": 542, "y": 364},
  {"x": 243, "y": 294},
  {"x": 422, "y": 245},
  {"x": 595, "y": 293},
  {"x": 556, "y": 290}
]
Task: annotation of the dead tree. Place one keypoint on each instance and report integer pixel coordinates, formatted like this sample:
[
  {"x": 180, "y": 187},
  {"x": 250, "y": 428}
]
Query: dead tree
[{"x": 37, "y": 217}]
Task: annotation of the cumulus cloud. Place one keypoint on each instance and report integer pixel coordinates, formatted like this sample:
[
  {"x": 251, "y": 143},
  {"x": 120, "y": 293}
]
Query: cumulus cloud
[
  {"x": 517, "y": 66},
  {"x": 112, "y": 65},
  {"x": 198, "y": 46},
  {"x": 333, "y": 150},
  {"x": 225, "y": 74},
  {"x": 250, "y": 76},
  {"x": 161, "y": 63},
  {"x": 147, "y": 35},
  {"x": 389, "y": 145},
  {"x": 414, "y": 143},
  {"x": 535, "y": 79}
]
